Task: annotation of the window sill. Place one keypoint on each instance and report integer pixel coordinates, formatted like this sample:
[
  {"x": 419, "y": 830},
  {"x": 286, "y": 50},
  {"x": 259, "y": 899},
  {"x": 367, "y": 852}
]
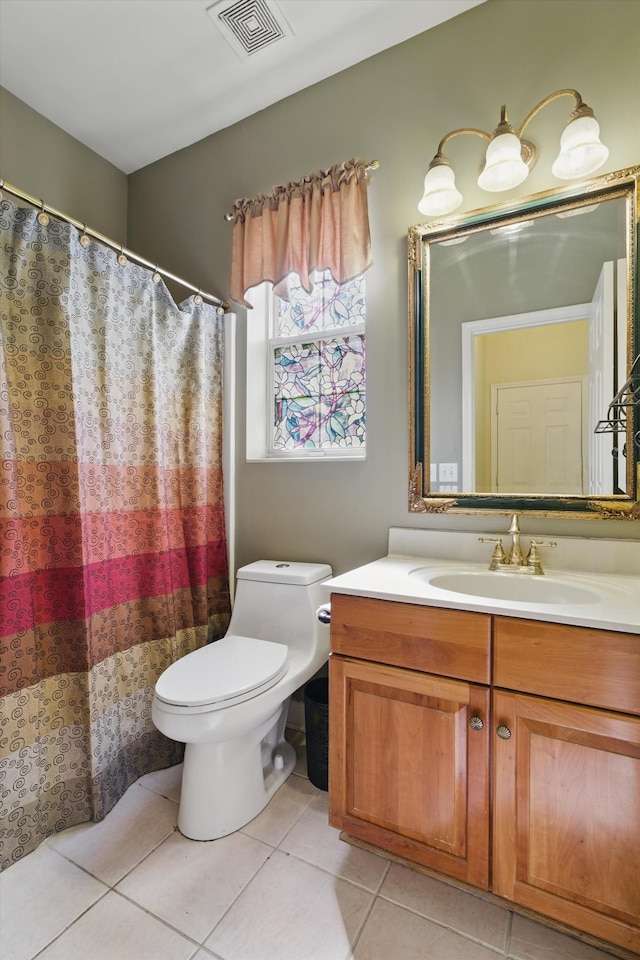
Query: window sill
[{"x": 308, "y": 458}]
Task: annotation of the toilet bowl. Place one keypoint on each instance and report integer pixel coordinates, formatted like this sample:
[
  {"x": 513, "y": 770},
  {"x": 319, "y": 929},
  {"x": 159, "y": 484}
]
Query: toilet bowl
[{"x": 228, "y": 701}]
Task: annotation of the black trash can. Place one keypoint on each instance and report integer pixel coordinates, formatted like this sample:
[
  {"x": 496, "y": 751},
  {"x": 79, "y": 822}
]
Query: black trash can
[{"x": 316, "y": 721}]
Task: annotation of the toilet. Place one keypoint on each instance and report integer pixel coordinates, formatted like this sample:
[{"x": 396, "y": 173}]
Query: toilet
[{"x": 228, "y": 701}]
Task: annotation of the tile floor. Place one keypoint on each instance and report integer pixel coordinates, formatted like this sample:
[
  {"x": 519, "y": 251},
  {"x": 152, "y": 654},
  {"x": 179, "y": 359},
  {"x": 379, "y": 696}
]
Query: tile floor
[{"x": 285, "y": 887}]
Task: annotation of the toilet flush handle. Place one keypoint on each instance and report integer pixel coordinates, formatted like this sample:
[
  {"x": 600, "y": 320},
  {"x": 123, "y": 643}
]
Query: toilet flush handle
[{"x": 323, "y": 613}]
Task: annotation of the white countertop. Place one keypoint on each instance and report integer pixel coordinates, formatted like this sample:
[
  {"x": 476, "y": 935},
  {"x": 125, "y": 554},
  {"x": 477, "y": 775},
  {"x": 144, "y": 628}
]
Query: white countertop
[{"x": 614, "y": 603}]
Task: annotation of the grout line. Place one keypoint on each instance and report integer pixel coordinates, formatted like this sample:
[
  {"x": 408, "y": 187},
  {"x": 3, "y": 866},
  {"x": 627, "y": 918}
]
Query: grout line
[
  {"x": 74, "y": 921},
  {"x": 79, "y": 866},
  {"x": 106, "y": 883},
  {"x": 146, "y": 856},
  {"x": 312, "y": 799},
  {"x": 360, "y": 930},
  {"x": 154, "y": 916},
  {"x": 507, "y": 939},
  {"x": 334, "y": 876},
  {"x": 374, "y": 900},
  {"x": 445, "y": 926},
  {"x": 245, "y": 887},
  {"x": 207, "y": 952},
  {"x": 383, "y": 878},
  {"x": 157, "y": 793}
]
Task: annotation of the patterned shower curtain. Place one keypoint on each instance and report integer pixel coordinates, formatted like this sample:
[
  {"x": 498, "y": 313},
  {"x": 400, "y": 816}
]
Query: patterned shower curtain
[{"x": 112, "y": 536}]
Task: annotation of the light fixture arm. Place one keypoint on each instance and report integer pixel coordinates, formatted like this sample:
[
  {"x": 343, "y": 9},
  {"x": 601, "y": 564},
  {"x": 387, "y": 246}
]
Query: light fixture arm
[
  {"x": 440, "y": 157},
  {"x": 529, "y": 152},
  {"x": 581, "y": 109}
]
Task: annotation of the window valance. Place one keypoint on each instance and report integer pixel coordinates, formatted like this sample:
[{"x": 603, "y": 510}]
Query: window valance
[{"x": 318, "y": 223}]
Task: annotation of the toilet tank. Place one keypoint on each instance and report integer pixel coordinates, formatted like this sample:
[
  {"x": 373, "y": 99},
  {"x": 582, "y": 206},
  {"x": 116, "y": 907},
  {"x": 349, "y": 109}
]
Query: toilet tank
[{"x": 277, "y": 600}]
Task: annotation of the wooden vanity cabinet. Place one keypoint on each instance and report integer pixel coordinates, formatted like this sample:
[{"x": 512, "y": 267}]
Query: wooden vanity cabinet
[
  {"x": 566, "y": 805},
  {"x": 409, "y": 768},
  {"x": 409, "y": 773}
]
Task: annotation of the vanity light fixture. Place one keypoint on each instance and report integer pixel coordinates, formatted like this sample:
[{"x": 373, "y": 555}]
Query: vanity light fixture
[{"x": 509, "y": 157}]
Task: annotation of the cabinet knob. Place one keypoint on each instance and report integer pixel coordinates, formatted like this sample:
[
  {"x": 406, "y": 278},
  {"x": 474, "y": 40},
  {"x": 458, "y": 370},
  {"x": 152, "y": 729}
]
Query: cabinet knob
[
  {"x": 503, "y": 732},
  {"x": 476, "y": 723}
]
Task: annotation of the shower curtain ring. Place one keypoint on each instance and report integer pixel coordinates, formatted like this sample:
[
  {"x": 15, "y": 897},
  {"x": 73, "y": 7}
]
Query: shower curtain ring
[
  {"x": 43, "y": 217},
  {"x": 85, "y": 240},
  {"x": 156, "y": 276},
  {"x": 198, "y": 297},
  {"x": 121, "y": 257}
]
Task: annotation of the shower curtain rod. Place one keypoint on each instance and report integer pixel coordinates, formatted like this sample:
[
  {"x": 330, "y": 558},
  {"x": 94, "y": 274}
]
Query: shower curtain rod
[
  {"x": 373, "y": 165},
  {"x": 222, "y": 305}
]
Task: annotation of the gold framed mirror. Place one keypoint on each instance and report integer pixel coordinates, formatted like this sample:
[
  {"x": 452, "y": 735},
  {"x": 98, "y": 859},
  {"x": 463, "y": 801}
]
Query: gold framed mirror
[{"x": 523, "y": 331}]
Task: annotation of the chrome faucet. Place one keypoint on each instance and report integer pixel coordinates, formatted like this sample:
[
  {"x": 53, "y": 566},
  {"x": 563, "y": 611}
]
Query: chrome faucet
[{"x": 514, "y": 561}]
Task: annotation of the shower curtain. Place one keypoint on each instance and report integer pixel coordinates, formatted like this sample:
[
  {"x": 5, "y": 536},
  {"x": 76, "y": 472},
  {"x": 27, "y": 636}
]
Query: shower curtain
[{"x": 112, "y": 536}]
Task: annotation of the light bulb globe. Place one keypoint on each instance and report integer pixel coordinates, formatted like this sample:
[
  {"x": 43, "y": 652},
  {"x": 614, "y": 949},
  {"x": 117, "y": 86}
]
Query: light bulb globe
[
  {"x": 504, "y": 167},
  {"x": 441, "y": 196},
  {"x": 581, "y": 151}
]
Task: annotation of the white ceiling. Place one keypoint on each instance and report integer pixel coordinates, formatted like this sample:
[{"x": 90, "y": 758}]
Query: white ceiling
[{"x": 136, "y": 80}]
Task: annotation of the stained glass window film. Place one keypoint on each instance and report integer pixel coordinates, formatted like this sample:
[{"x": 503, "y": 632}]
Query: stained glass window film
[
  {"x": 319, "y": 383},
  {"x": 319, "y": 394},
  {"x": 328, "y": 306}
]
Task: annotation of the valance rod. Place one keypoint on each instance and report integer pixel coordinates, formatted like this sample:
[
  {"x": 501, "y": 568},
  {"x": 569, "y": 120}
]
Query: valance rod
[
  {"x": 370, "y": 166},
  {"x": 222, "y": 305}
]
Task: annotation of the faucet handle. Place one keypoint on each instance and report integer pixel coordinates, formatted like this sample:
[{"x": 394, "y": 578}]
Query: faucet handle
[
  {"x": 533, "y": 557},
  {"x": 498, "y": 556}
]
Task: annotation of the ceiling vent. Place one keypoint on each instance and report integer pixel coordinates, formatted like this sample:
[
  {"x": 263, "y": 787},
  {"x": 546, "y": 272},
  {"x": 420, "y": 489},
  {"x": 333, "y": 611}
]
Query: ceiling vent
[{"x": 249, "y": 25}]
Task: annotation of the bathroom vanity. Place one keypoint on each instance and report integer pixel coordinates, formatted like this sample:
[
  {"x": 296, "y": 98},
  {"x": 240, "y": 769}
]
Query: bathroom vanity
[{"x": 496, "y": 741}]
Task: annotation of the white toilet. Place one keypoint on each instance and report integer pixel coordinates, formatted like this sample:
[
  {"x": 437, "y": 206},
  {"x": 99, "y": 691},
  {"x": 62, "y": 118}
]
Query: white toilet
[{"x": 228, "y": 701}]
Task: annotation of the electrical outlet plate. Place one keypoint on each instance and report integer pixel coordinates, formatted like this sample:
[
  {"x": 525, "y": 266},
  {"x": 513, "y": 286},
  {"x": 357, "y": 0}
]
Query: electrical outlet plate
[{"x": 448, "y": 473}]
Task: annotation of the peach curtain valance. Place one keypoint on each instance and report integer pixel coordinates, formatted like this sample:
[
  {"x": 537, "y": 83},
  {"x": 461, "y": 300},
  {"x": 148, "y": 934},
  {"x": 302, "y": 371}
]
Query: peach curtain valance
[{"x": 320, "y": 223}]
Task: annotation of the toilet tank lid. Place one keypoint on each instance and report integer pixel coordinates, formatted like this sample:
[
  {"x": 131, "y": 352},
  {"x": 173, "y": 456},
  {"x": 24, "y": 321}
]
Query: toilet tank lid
[{"x": 283, "y": 571}]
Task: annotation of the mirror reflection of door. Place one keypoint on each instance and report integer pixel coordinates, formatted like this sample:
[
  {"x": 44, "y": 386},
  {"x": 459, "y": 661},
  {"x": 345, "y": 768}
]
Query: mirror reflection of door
[
  {"x": 537, "y": 437},
  {"x": 544, "y": 347}
]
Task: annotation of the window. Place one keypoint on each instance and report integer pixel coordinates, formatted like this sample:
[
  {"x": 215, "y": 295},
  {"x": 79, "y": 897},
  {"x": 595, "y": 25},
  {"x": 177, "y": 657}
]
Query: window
[{"x": 306, "y": 367}]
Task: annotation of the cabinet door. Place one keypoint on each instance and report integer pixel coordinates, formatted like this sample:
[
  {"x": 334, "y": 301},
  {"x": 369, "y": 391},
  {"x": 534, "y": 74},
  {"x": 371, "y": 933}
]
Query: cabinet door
[
  {"x": 567, "y": 814},
  {"x": 407, "y": 772}
]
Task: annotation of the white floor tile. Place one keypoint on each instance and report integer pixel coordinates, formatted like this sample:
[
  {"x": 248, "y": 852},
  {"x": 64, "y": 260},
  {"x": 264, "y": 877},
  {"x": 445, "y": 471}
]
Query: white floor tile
[
  {"x": 534, "y": 941},
  {"x": 447, "y": 905},
  {"x": 311, "y": 898},
  {"x": 118, "y": 930},
  {"x": 39, "y": 896},
  {"x": 391, "y": 933},
  {"x": 166, "y": 782},
  {"x": 109, "y": 849},
  {"x": 291, "y": 911},
  {"x": 313, "y": 840},
  {"x": 282, "y": 811},
  {"x": 190, "y": 884}
]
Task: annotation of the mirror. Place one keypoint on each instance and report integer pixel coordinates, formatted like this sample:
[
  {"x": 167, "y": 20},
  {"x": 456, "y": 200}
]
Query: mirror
[{"x": 523, "y": 328}]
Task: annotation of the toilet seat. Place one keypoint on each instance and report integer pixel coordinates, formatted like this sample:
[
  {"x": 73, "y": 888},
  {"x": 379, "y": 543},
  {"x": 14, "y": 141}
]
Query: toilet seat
[{"x": 228, "y": 671}]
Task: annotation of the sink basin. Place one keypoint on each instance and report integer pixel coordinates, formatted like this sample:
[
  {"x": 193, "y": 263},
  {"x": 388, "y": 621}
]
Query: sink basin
[{"x": 519, "y": 588}]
